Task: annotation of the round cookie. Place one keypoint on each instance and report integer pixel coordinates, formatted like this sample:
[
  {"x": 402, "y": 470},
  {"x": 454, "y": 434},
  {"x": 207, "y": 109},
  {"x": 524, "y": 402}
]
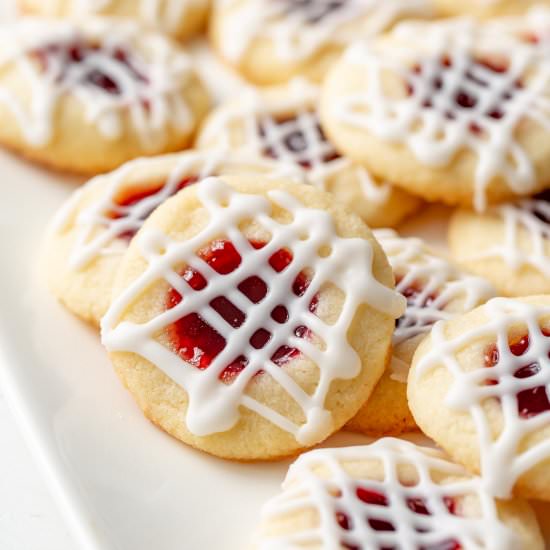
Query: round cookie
[
  {"x": 486, "y": 8},
  {"x": 93, "y": 230},
  {"x": 452, "y": 111},
  {"x": 86, "y": 97},
  {"x": 480, "y": 387},
  {"x": 391, "y": 494},
  {"x": 180, "y": 19},
  {"x": 435, "y": 290},
  {"x": 272, "y": 42},
  {"x": 282, "y": 123},
  {"x": 282, "y": 331},
  {"x": 509, "y": 245}
]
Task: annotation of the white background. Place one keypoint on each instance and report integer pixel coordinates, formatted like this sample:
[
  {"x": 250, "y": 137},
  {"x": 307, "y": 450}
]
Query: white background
[{"x": 29, "y": 518}]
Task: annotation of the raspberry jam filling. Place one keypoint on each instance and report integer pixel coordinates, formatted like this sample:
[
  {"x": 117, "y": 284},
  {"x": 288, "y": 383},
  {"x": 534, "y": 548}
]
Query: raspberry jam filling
[
  {"x": 84, "y": 63},
  {"x": 532, "y": 401},
  {"x": 199, "y": 344},
  {"x": 415, "y": 299},
  {"x": 313, "y": 11},
  {"x": 476, "y": 78},
  {"x": 416, "y": 505},
  {"x": 132, "y": 197},
  {"x": 298, "y": 137}
]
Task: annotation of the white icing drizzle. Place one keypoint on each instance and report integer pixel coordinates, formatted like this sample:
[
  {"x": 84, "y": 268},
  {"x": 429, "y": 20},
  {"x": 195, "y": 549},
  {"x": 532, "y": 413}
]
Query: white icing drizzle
[
  {"x": 501, "y": 460},
  {"x": 153, "y": 102},
  {"x": 298, "y": 29},
  {"x": 163, "y": 14},
  {"x": 302, "y": 129},
  {"x": 213, "y": 405},
  {"x": 319, "y": 481},
  {"x": 436, "y": 282},
  {"x": 98, "y": 231},
  {"x": 428, "y": 118},
  {"x": 520, "y": 219}
]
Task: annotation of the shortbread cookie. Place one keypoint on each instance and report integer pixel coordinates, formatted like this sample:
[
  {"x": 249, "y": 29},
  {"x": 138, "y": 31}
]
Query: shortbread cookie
[
  {"x": 435, "y": 289},
  {"x": 282, "y": 123},
  {"x": 509, "y": 245},
  {"x": 94, "y": 228},
  {"x": 86, "y": 97},
  {"x": 480, "y": 387},
  {"x": 248, "y": 324},
  {"x": 178, "y": 18},
  {"x": 391, "y": 494},
  {"x": 452, "y": 111},
  {"x": 486, "y": 8},
  {"x": 271, "y": 42}
]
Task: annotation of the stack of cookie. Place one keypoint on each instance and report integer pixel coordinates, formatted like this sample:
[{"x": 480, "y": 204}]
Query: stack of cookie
[{"x": 243, "y": 298}]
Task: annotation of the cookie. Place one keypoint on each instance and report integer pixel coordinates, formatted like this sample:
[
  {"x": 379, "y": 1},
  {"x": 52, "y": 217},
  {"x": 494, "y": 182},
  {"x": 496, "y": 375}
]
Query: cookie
[
  {"x": 480, "y": 387},
  {"x": 282, "y": 123},
  {"x": 486, "y": 8},
  {"x": 93, "y": 230},
  {"x": 451, "y": 111},
  {"x": 180, "y": 19},
  {"x": 435, "y": 290},
  {"x": 509, "y": 245},
  {"x": 272, "y": 42},
  {"x": 86, "y": 97},
  {"x": 242, "y": 331},
  {"x": 391, "y": 494}
]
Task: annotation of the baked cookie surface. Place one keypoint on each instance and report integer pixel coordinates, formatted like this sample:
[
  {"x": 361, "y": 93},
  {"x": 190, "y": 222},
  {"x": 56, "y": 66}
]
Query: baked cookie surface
[
  {"x": 508, "y": 244},
  {"x": 390, "y": 494},
  {"x": 178, "y": 18},
  {"x": 480, "y": 387},
  {"x": 86, "y": 97},
  {"x": 241, "y": 331},
  {"x": 282, "y": 124},
  {"x": 452, "y": 111},
  {"x": 435, "y": 290},
  {"x": 94, "y": 228},
  {"x": 486, "y": 8},
  {"x": 272, "y": 42}
]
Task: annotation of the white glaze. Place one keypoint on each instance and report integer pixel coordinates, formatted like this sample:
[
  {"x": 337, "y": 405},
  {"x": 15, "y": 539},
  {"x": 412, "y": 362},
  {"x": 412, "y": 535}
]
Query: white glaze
[
  {"x": 97, "y": 232},
  {"x": 213, "y": 405},
  {"x": 300, "y": 99},
  {"x": 519, "y": 219},
  {"x": 151, "y": 106},
  {"x": 241, "y": 22},
  {"x": 315, "y": 478},
  {"x": 413, "y": 262},
  {"x": 434, "y": 138},
  {"x": 501, "y": 461}
]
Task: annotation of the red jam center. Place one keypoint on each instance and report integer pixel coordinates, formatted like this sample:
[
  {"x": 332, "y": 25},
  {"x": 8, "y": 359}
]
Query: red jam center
[
  {"x": 132, "y": 197},
  {"x": 64, "y": 57},
  {"x": 313, "y": 11},
  {"x": 531, "y": 401},
  {"x": 464, "y": 98},
  {"x": 199, "y": 344},
  {"x": 417, "y": 505},
  {"x": 539, "y": 213},
  {"x": 293, "y": 139},
  {"x": 413, "y": 294}
]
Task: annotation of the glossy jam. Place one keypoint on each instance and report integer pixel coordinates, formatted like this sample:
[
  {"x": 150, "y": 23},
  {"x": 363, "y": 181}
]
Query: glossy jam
[
  {"x": 131, "y": 197},
  {"x": 313, "y": 11},
  {"x": 463, "y": 98},
  {"x": 412, "y": 293},
  {"x": 532, "y": 401},
  {"x": 198, "y": 343},
  {"x": 295, "y": 140},
  {"x": 417, "y": 505},
  {"x": 63, "y": 57}
]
